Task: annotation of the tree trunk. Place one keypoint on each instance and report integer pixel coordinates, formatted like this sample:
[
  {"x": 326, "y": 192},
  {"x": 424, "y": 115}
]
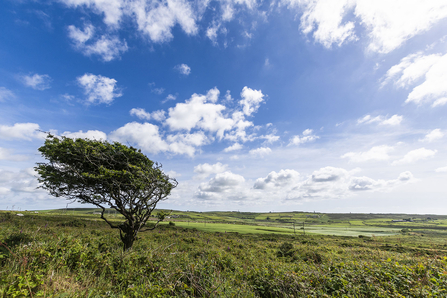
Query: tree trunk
[
  {"x": 128, "y": 236},
  {"x": 128, "y": 241}
]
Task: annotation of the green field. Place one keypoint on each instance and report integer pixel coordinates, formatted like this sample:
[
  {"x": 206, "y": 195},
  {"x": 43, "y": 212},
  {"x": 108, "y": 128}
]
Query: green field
[{"x": 73, "y": 253}]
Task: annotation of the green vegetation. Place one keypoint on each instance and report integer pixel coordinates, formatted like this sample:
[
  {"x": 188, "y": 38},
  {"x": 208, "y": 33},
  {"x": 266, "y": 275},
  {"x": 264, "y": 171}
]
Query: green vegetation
[{"x": 61, "y": 254}]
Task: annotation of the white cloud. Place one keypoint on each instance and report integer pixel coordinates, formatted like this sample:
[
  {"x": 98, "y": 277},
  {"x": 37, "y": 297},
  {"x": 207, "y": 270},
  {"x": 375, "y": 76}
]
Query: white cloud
[
  {"x": 99, "y": 89},
  {"x": 156, "y": 19},
  {"x": 142, "y": 114},
  {"x": 410, "y": 69},
  {"x": 206, "y": 169},
  {"x": 261, "y": 152},
  {"x": 24, "y": 131},
  {"x": 6, "y": 94},
  {"x": 90, "y": 134},
  {"x": 415, "y": 155},
  {"x": 158, "y": 91},
  {"x": 15, "y": 182},
  {"x": 325, "y": 19},
  {"x": 325, "y": 183},
  {"x": 234, "y": 147},
  {"x": 146, "y": 136},
  {"x": 270, "y": 138},
  {"x": 393, "y": 120},
  {"x": 375, "y": 153},
  {"x": 225, "y": 184},
  {"x": 281, "y": 179},
  {"x": 200, "y": 111},
  {"x": 186, "y": 143},
  {"x": 211, "y": 32},
  {"x": 430, "y": 69},
  {"x": 441, "y": 170},
  {"x": 7, "y": 154},
  {"x": 306, "y": 137},
  {"x": 169, "y": 98},
  {"x": 37, "y": 81},
  {"x": 388, "y": 23},
  {"x": 183, "y": 69},
  {"x": 332, "y": 182},
  {"x": 434, "y": 87},
  {"x": 433, "y": 135},
  {"x": 80, "y": 37},
  {"x": 111, "y": 9},
  {"x": 107, "y": 47},
  {"x": 251, "y": 100}
]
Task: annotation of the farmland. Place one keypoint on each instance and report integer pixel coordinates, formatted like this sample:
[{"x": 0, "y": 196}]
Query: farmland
[{"x": 73, "y": 253}]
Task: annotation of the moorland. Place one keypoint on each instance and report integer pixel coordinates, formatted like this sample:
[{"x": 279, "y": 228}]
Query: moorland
[{"x": 73, "y": 253}]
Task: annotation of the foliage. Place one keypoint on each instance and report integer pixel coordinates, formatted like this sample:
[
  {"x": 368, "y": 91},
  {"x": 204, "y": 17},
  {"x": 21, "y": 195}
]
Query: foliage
[
  {"x": 67, "y": 261},
  {"x": 105, "y": 175}
]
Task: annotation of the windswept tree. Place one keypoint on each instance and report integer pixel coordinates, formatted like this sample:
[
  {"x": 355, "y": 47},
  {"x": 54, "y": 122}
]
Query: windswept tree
[{"x": 107, "y": 175}]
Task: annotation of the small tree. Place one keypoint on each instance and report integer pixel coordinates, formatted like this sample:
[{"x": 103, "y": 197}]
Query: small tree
[{"x": 106, "y": 175}]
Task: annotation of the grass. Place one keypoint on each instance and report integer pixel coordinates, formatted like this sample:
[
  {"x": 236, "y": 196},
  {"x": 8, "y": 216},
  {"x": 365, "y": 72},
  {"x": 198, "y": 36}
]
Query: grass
[{"x": 51, "y": 254}]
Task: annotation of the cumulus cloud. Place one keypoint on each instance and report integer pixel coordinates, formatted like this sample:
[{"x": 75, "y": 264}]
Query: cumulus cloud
[
  {"x": 107, "y": 47},
  {"x": 23, "y": 131},
  {"x": 143, "y": 115},
  {"x": 330, "y": 182},
  {"x": 433, "y": 135},
  {"x": 37, "y": 81},
  {"x": 226, "y": 183},
  {"x": 388, "y": 24},
  {"x": 16, "y": 182},
  {"x": 289, "y": 185},
  {"x": 204, "y": 170},
  {"x": 251, "y": 100},
  {"x": 148, "y": 137},
  {"x": 260, "y": 152},
  {"x": 200, "y": 111},
  {"x": 186, "y": 143},
  {"x": 283, "y": 178},
  {"x": 415, "y": 155},
  {"x": 183, "y": 69},
  {"x": 90, "y": 134},
  {"x": 145, "y": 135},
  {"x": 99, "y": 89},
  {"x": 6, "y": 94},
  {"x": 325, "y": 183},
  {"x": 393, "y": 120},
  {"x": 427, "y": 72},
  {"x": 234, "y": 147},
  {"x": 381, "y": 120},
  {"x": 156, "y": 19},
  {"x": 306, "y": 137},
  {"x": 198, "y": 121},
  {"x": 375, "y": 153}
]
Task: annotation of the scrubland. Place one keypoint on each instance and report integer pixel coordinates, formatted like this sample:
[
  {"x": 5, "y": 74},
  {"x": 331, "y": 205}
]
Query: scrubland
[{"x": 201, "y": 255}]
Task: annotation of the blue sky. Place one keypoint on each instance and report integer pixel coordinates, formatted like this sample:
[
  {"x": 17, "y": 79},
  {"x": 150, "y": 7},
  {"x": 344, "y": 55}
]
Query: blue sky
[{"x": 325, "y": 105}]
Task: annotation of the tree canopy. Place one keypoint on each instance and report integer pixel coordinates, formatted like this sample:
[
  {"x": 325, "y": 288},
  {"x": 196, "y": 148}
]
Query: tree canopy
[{"x": 106, "y": 175}]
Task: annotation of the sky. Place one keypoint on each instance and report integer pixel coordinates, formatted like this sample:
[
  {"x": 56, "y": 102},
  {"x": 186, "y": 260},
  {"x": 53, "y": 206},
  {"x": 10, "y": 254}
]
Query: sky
[{"x": 283, "y": 105}]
